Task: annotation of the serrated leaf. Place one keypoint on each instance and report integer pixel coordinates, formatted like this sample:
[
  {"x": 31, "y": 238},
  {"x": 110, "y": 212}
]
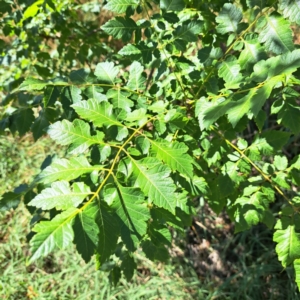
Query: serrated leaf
[
  {"x": 174, "y": 155},
  {"x": 60, "y": 196},
  {"x": 252, "y": 53},
  {"x": 229, "y": 70},
  {"x": 77, "y": 133},
  {"x": 80, "y": 76},
  {"x": 106, "y": 72},
  {"x": 109, "y": 233},
  {"x": 250, "y": 104},
  {"x": 130, "y": 50},
  {"x": 288, "y": 244},
  {"x": 86, "y": 231},
  {"x": 131, "y": 207},
  {"x": 50, "y": 235},
  {"x": 153, "y": 178},
  {"x": 290, "y": 9},
  {"x": 100, "y": 113},
  {"x": 276, "y": 33},
  {"x": 175, "y": 5},
  {"x": 66, "y": 169},
  {"x": 278, "y": 65},
  {"x": 120, "y": 28},
  {"x": 120, "y": 99},
  {"x": 189, "y": 31},
  {"x": 32, "y": 84},
  {"x": 136, "y": 80},
  {"x": 120, "y": 6},
  {"x": 72, "y": 93},
  {"x": 229, "y": 18}
]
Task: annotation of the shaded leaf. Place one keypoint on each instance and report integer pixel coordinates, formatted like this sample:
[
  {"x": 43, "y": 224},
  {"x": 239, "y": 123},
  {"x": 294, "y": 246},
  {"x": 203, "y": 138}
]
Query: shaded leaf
[{"x": 50, "y": 235}]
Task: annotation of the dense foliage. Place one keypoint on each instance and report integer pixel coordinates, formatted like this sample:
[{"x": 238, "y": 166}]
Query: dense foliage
[{"x": 160, "y": 104}]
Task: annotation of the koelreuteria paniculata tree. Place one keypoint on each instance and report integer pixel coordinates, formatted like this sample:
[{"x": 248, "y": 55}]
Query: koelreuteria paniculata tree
[{"x": 159, "y": 104}]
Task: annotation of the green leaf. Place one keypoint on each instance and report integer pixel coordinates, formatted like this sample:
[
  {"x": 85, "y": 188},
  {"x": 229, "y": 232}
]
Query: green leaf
[
  {"x": 120, "y": 99},
  {"x": 174, "y": 155},
  {"x": 229, "y": 18},
  {"x": 276, "y": 33},
  {"x": 9, "y": 200},
  {"x": 252, "y": 53},
  {"x": 136, "y": 80},
  {"x": 50, "y": 235},
  {"x": 153, "y": 178},
  {"x": 32, "y": 10},
  {"x": 51, "y": 95},
  {"x": 128, "y": 266},
  {"x": 230, "y": 70},
  {"x": 76, "y": 133},
  {"x": 66, "y": 169},
  {"x": 61, "y": 196},
  {"x": 40, "y": 124},
  {"x": 100, "y": 113},
  {"x": 131, "y": 208},
  {"x": 109, "y": 233},
  {"x": 288, "y": 244},
  {"x": 106, "y": 72},
  {"x": 130, "y": 49},
  {"x": 142, "y": 144},
  {"x": 290, "y": 9},
  {"x": 120, "y": 28},
  {"x": 297, "y": 271},
  {"x": 86, "y": 231},
  {"x": 175, "y": 5},
  {"x": 280, "y": 162},
  {"x": 120, "y": 6},
  {"x": 23, "y": 119},
  {"x": 189, "y": 31},
  {"x": 32, "y": 84},
  {"x": 250, "y": 104},
  {"x": 289, "y": 116}
]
